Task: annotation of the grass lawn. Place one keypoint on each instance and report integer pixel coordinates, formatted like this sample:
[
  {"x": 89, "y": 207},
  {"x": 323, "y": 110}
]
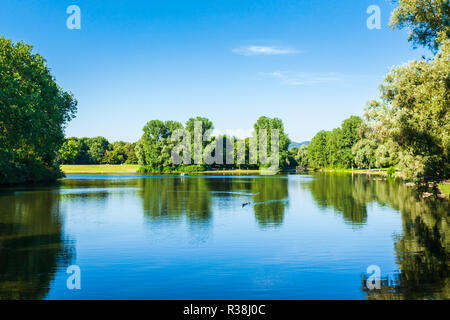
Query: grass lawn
[
  {"x": 104, "y": 168},
  {"x": 131, "y": 168},
  {"x": 445, "y": 188},
  {"x": 381, "y": 172}
]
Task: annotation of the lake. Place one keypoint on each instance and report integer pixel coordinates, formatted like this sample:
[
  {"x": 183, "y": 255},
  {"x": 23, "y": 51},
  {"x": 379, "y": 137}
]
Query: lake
[{"x": 170, "y": 237}]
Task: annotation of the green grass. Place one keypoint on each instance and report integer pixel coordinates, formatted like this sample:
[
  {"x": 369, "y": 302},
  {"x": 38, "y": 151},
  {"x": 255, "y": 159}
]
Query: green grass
[
  {"x": 382, "y": 172},
  {"x": 131, "y": 168},
  {"x": 445, "y": 188},
  {"x": 104, "y": 168}
]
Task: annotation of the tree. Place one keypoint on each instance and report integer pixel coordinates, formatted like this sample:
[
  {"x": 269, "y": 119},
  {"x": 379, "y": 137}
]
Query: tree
[
  {"x": 302, "y": 157},
  {"x": 413, "y": 116},
  {"x": 131, "y": 154},
  {"x": 97, "y": 149},
  {"x": 190, "y": 127},
  {"x": 69, "y": 150},
  {"x": 33, "y": 113},
  {"x": 364, "y": 153},
  {"x": 269, "y": 124},
  {"x": 318, "y": 149},
  {"x": 427, "y": 20},
  {"x": 334, "y": 148},
  {"x": 350, "y": 135},
  {"x": 154, "y": 149}
]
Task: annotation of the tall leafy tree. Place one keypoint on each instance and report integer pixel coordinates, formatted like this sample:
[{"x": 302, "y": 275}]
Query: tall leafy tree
[
  {"x": 318, "y": 149},
  {"x": 69, "y": 150},
  {"x": 269, "y": 124},
  {"x": 98, "y": 148},
  {"x": 413, "y": 115},
  {"x": 427, "y": 20},
  {"x": 34, "y": 111},
  {"x": 154, "y": 149}
]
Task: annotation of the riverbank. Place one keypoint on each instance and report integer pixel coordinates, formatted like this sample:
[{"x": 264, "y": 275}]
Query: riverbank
[{"x": 380, "y": 172}]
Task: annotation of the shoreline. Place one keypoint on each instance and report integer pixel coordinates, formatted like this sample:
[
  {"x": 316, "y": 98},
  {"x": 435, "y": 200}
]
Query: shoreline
[{"x": 134, "y": 168}]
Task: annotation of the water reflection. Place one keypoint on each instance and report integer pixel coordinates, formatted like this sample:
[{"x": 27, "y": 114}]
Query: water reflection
[
  {"x": 172, "y": 199},
  {"x": 270, "y": 200},
  {"x": 422, "y": 251},
  {"x": 346, "y": 194},
  {"x": 32, "y": 244},
  {"x": 106, "y": 216}
]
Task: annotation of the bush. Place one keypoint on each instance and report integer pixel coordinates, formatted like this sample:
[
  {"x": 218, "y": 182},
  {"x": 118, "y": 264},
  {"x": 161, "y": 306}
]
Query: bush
[{"x": 391, "y": 171}]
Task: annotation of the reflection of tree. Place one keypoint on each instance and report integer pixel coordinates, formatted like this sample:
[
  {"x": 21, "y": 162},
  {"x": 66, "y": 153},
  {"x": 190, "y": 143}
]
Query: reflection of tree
[
  {"x": 423, "y": 249},
  {"x": 270, "y": 199},
  {"x": 346, "y": 194},
  {"x": 31, "y": 243},
  {"x": 171, "y": 198}
]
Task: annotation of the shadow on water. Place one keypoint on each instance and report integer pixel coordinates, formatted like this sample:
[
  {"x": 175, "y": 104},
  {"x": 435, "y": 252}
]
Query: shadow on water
[{"x": 32, "y": 244}]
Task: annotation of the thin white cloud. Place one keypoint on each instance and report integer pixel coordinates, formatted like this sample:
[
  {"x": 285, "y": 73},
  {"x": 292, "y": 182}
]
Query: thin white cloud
[
  {"x": 303, "y": 78},
  {"x": 263, "y": 50}
]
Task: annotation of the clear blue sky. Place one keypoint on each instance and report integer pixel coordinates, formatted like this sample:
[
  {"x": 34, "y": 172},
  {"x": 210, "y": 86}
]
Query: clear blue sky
[{"x": 311, "y": 63}]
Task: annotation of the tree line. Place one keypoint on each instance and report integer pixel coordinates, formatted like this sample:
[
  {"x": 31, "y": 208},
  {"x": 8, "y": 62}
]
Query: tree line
[
  {"x": 96, "y": 150},
  {"x": 154, "y": 149}
]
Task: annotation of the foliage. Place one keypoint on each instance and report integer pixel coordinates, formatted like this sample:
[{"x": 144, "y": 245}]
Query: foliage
[
  {"x": 69, "y": 151},
  {"x": 427, "y": 20},
  {"x": 413, "y": 120},
  {"x": 334, "y": 148},
  {"x": 269, "y": 124},
  {"x": 96, "y": 150},
  {"x": 302, "y": 157},
  {"x": 154, "y": 149},
  {"x": 33, "y": 113}
]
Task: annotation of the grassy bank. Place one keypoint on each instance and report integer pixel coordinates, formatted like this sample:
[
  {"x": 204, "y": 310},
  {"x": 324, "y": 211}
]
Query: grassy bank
[
  {"x": 445, "y": 188},
  {"x": 133, "y": 168},
  {"x": 381, "y": 172},
  {"x": 105, "y": 168}
]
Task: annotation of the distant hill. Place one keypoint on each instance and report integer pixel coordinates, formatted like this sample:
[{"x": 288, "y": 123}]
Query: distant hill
[{"x": 298, "y": 144}]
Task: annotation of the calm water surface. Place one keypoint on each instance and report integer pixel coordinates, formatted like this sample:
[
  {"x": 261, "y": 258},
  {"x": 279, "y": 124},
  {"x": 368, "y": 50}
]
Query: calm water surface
[{"x": 167, "y": 237}]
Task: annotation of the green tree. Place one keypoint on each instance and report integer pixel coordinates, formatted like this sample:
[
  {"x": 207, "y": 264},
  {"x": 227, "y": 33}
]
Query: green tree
[
  {"x": 302, "y": 157},
  {"x": 154, "y": 149},
  {"x": 413, "y": 116},
  {"x": 269, "y": 124},
  {"x": 69, "y": 150},
  {"x": 364, "y": 153},
  {"x": 97, "y": 149},
  {"x": 318, "y": 149},
  {"x": 33, "y": 113},
  {"x": 350, "y": 135},
  {"x": 427, "y": 20}
]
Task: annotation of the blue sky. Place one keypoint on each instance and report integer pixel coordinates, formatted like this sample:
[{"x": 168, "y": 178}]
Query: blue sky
[{"x": 310, "y": 63}]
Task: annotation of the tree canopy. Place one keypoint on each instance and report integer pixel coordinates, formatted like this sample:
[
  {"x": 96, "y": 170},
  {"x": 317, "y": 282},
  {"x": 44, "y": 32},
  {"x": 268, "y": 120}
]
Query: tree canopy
[
  {"x": 33, "y": 113},
  {"x": 427, "y": 20}
]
